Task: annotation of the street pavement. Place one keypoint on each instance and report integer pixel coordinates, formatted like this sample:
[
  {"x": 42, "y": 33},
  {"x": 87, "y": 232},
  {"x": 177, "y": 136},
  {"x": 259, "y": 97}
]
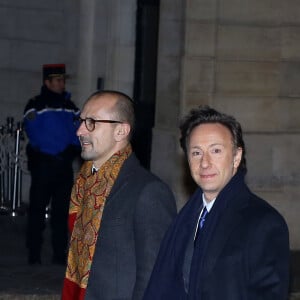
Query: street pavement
[{"x": 20, "y": 281}]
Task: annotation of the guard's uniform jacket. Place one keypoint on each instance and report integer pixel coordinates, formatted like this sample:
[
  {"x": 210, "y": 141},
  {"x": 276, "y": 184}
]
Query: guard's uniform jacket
[{"x": 53, "y": 144}]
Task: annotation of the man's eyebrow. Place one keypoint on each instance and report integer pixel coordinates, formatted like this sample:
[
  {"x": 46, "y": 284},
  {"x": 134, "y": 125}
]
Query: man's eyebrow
[
  {"x": 216, "y": 144},
  {"x": 211, "y": 145},
  {"x": 195, "y": 147}
]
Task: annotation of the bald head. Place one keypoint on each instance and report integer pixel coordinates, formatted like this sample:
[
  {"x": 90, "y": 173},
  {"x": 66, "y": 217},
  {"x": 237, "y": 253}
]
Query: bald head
[
  {"x": 120, "y": 105},
  {"x": 107, "y": 119}
]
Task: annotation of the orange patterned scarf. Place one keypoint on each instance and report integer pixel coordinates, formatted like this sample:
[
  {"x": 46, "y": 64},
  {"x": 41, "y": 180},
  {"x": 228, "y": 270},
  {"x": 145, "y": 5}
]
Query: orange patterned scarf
[{"x": 87, "y": 203}]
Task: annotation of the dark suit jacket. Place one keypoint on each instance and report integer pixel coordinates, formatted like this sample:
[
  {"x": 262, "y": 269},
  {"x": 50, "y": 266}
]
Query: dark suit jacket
[
  {"x": 137, "y": 213},
  {"x": 243, "y": 252}
]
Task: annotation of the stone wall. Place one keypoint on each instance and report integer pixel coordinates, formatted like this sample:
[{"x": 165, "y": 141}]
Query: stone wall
[{"x": 241, "y": 57}]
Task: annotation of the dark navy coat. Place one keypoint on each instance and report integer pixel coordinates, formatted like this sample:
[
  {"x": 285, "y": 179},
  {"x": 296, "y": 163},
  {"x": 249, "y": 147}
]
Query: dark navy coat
[{"x": 243, "y": 252}]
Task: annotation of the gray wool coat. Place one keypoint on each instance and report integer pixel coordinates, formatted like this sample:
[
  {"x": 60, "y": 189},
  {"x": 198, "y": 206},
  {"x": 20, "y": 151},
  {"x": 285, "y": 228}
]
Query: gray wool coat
[{"x": 136, "y": 216}]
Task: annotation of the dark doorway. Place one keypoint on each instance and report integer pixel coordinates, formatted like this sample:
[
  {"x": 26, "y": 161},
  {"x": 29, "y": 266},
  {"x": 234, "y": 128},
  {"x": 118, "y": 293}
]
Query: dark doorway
[{"x": 145, "y": 77}]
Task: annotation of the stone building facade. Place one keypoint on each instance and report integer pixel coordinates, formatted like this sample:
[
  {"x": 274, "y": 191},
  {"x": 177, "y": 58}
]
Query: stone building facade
[{"x": 239, "y": 56}]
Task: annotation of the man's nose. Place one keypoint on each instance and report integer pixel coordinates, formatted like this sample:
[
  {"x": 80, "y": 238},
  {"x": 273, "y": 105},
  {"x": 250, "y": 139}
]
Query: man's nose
[
  {"x": 82, "y": 130},
  {"x": 205, "y": 160}
]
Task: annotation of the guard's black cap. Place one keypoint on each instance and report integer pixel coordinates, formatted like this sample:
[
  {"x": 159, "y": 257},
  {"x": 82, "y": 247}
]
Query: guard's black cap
[{"x": 54, "y": 70}]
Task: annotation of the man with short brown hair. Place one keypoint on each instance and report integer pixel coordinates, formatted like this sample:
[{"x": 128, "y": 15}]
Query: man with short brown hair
[{"x": 226, "y": 242}]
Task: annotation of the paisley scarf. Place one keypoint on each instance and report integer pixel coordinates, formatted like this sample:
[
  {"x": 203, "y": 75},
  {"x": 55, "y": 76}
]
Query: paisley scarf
[{"x": 88, "y": 198}]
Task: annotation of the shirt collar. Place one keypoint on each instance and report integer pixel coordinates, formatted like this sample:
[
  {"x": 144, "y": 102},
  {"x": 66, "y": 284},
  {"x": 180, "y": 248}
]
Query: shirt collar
[
  {"x": 94, "y": 169},
  {"x": 207, "y": 204}
]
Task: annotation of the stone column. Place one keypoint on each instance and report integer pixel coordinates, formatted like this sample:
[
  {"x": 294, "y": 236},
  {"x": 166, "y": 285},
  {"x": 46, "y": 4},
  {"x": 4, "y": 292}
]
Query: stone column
[
  {"x": 166, "y": 155},
  {"x": 107, "y": 44},
  {"x": 119, "y": 69},
  {"x": 86, "y": 83}
]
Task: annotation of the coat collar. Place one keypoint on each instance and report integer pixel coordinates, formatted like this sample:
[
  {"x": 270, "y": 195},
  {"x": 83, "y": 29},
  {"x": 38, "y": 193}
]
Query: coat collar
[
  {"x": 228, "y": 214},
  {"x": 127, "y": 170}
]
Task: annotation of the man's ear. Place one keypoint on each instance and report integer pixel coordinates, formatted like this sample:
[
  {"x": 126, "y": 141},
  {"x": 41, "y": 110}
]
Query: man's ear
[
  {"x": 122, "y": 131},
  {"x": 237, "y": 157},
  {"x": 47, "y": 83}
]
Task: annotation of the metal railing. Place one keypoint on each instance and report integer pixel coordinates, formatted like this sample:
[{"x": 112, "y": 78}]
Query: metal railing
[{"x": 13, "y": 163}]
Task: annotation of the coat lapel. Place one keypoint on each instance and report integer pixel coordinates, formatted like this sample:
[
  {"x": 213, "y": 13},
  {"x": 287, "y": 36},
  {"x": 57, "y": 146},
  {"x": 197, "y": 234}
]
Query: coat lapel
[
  {"x": 122, "y": 180},
  {"x": 229, "y": 221}
]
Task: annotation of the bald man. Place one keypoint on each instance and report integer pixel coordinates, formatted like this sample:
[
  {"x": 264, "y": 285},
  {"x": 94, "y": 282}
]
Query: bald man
[{"x": 119, "y": 211}]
